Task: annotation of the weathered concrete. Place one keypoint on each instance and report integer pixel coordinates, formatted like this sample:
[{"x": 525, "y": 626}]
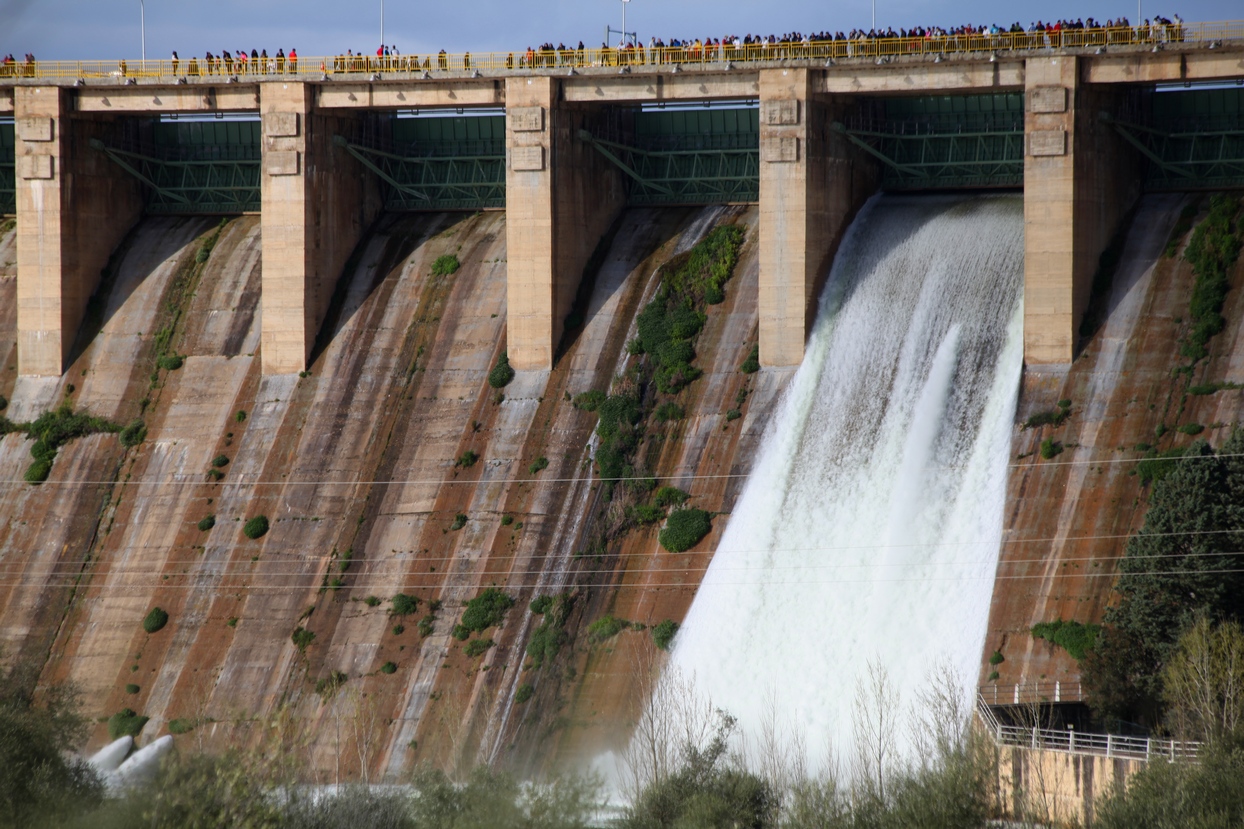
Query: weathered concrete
[
  {"x": 811, "y": 183},
  {"x": 135, "y": 99},
  {"x": 1079, "y": 181},
  {"x": 317, "y": 202},
  {"x": 410, "y": 94},
  {"x": 1055, "y": 786},
  {"x": 561, "y": 197},
  {"x": 913, "y": 78},
  {"x": 74, "y": 207}
]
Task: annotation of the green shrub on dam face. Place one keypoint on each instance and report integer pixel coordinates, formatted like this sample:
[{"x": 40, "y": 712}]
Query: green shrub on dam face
[{"x": 684, "y": 529}]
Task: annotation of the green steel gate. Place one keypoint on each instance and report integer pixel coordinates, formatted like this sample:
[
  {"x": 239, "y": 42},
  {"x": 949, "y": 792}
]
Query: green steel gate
[
  {"x": 1192, "y": 139},
  {"x": 700, "y": 156},
  {"x": 439, "y": 162},
  {"x": 193, "y": 167},
  {"x": 944, "y": 141},
  {"x": 8, "y": 178}
]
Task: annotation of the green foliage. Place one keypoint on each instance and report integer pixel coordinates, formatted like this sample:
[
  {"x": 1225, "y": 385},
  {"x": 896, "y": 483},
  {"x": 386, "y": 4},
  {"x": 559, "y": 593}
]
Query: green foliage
[
  {"x": 647, "y": 513},
  {"x": 1156, "y": 465},
  {"x": 214, "y": 474},
  {"x": 606, "y": 627},
  {"x": 398, "y": 630},
  {"x": 52, "y": 430},
  {"x": 404, "y": 605},
  {"x": 131, "y": 688},
  {"x": 220, "y": 461},
  {"x": 1050, "y": 418},
  {"x": 388, "y": 668},
  {"x": 180, "y": 726},
  {"x": 996, "y": 658},
  {"x": 125, "y": 723},
  {"x": 589, "y": 401},
  {"x": 684, "y": 529},
  {"x": 446, "y": 265},
  {"x": 1214, "y": 247},
  {"x": 460, "y": 521},
  {"x": 170, "y": 362},
  {"x": 752, "y": 364},
  {"x": 1191, "y": 429},
  {"x": 301, "y": 637},
  {"x": 460, "y": 633},
  {"x": 1207, "y": 794},
  {"x": 207, "y": 522},
  {"x": 507, "y": 520},
  {"x": 733, "y": 414},
  {"x": 1050, "y": 449},
  {"x": 467, "y": 459},
  {"x": 240, "y": 416},
  {"x": 546, "y": 641},
  {"x": 4, "y": 402},
  {"x": 541, "y": 604},
  {"x": 426, "y": 625},
  {"x": 539, "y": 464},
  {"x": 38, "y": 472},
  {"x": 232, "y": 621},
  {"x": 256, "y": 527},
  {"x": 1181, "y": 228},
  {"x": 477, "y": 647},
  {"x": 372, "y": 601},
  {"x": 502, "y": 373},
  {"x": 155, "y": 620},
  {"x": 328, "y": 686},
  {"x": 524, "y": 693},
  {"x": 669, "y": 411},
  {"x": 669, "y": 496},
  {"x": 134, "y": 434},
  {"x": 663, "y": 634},
  {"x": 993, "y": 676},
  {"x": 1075, "y": 638},
  {"x": 486, "y": 610},
  {"x": 619, "y": 416}
]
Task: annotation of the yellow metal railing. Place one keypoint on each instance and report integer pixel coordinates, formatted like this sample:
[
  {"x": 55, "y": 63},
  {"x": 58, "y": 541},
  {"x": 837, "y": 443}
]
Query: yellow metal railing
[{"x": 1210, "y": 34}]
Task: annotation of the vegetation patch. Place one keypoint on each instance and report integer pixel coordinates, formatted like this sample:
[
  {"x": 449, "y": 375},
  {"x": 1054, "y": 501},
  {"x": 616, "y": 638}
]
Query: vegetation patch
[
  {"x": 301, "y": 637},
  {"x": 663, "y": 634},
  {"x": 669, "y": 411},
  {"x": 550, "y": 636},
  {"x": 170, "y": 362},
  {"x": 180, "y": 726},
  {"x": 477, "y": 647},
  {"x": 1055, "y": 417},
  {"x": 538, "y": 465},
  {"x": 220, "y": 461},
  {"x": 460, "y": 521},
  {"x": 684, "y": 529},
  {"x": 125, "y": 723},
  {"x": 996, "y": 658},
  {"x": 404, "y": 605},
  {"x": 388, "y": 668},
  {"x": 446, "y": 265},
  {"x": 256, "y": 527},
  {"x": 524, "y": 693},
  {"x": 752, "y": 364},
  {"x": 51, "y": 431},
  {"x": 1075, "y": 638},
  {"x": 1157, "y": 465},
  {"x": 1050, "y": 449},
  {"x": 1191, "y": 429},
  {"x": 486, "y": 610},
  {"x": 131, "y": 688},
  {"x": 589, "y": 401},
  {"x": 467, "y": 459},
  {"x": 207, "y": 522},
  {"x": 328, "y": 686},
  {"x": 606, "y": 627},
  {"x": 134, "y": 434},
  {"x": 502, "y": 373},
  {"x": 1181, "y": 228},
  {"x": 1214, "y": 247},
  {"x": 155, "y": 620},
  {"x": 669, "y": 496}
]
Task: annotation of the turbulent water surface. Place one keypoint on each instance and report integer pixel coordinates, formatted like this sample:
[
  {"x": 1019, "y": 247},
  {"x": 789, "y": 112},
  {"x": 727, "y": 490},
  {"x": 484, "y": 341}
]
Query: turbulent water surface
[{"x": 869, "y": 528}]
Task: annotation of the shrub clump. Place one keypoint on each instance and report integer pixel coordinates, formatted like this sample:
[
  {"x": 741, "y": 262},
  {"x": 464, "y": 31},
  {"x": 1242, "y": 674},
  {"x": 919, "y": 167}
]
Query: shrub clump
[
  {"x": 684, "y": 529},
  {"x": 669, "y": 496},
  {"x": 669, "y": 411},
  {"x": 180, "y": 726},
  {"x": 404, "y": 605},
  {"x": 467, "y": 459},
  {"x": 546, "y": 641},
  {"x": 1055, "y": 417},
  {"x": 1050, "y": 449},
  {"x": 52, "y": 430},
  {"x": 486, "y": 610},
  {"x": 301, "y": 637},
  {"x": 125, "y": 723},
  {"x": 388, "y": 668},
  {"x": 131, "y": 688},
  {"x": 133, "y": 434},
  {"x": 446, "y": 265},
  {"x": 1075, "y": 638},
  {"x": 256, "y": 527},
  {"x": 1191, "y": 429},
  {"x": 663, "y": 634},
  {"x": 538, "y": 465},
  {"x": 524, "y": 693},
  {"x": 155, "y": 620},
  {"x": 170, "y": 362},
  {"x": 1214, "y": 247},
  {"x": 207, "y": 522},
  {"x": 589, "y": 401},
  {"x": 477, "y": 647},
  {"x": 1157, "y": 465},
  {"x": 220, "y": 461},
  {"x": 459, "y": 522},
  {"x": 752, "y": 364},
  {"x": 606, "y": 627},
  {"x": 996, "y": 658},
  {"x": 502, "y": 373}
]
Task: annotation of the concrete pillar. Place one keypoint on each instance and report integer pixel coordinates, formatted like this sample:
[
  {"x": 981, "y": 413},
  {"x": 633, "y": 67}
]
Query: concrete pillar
[
  {"x": 317, "y": 203},
  {"x": 561, "y": 198},
  {"x": 811, "y": 183},
  {"x": 74, "y": 207},
  {"x": 1080, "y": 180}
]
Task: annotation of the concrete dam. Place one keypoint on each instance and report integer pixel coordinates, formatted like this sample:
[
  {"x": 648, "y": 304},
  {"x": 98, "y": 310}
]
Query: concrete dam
[{"x": 405, "y": 316}]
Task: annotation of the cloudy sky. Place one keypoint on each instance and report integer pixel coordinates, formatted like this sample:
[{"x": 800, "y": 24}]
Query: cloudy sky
[{"x": 107, "y": 29}]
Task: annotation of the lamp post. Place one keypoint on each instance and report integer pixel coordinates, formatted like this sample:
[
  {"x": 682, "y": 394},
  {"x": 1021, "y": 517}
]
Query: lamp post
[
  {"x": 625, "y": 3},
  {"x": 142, "y": 26},
  {"x": 875, "y": 15},
  {"x": 382, "y": 24}
]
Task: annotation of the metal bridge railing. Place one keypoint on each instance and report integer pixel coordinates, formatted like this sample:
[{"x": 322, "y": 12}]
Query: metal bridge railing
[
  {"x": 1024, "y": 693},
  {"x": 1211, "y": 34}
]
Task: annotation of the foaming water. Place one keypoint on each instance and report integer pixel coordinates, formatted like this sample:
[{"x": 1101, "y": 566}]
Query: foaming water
[{"x": 869, "y": 527}]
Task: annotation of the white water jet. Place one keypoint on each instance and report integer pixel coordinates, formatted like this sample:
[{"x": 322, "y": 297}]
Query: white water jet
[
  {"x": 142, "y": 766},
  {"x": 107, "y": 759},
  {"x": 869, "y": 527}
]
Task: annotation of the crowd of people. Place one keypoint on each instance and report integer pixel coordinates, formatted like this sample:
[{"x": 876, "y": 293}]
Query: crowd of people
[{"x": 10, "y": 68}]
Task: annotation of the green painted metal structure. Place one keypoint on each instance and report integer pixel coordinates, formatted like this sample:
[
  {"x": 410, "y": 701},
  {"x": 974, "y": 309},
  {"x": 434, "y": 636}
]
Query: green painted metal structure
[
  {"x": 691, "y": 157},
  {"x": 1193, "y": 139},
  {"x": 194, "y": 167},
  {"x": 8, "y": 170},
  {"x": 944, "y": 141},
  {"x": 439, "y": 162}
]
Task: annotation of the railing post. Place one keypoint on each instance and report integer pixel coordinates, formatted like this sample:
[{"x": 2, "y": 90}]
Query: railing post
[
  {"x": 1109, "y": 746},
  {"x": 1016, "y": 693},
  {"x": 1058, "y": 691},
  {"x": 1148, "y": 746},
  {"x": 1034, "y": 739},
  {"x": 1071, "y": 733}
]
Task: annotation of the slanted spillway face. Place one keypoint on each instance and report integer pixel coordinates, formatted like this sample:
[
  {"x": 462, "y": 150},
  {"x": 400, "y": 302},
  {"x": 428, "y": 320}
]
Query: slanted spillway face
[{"x": 869, "y": 527}]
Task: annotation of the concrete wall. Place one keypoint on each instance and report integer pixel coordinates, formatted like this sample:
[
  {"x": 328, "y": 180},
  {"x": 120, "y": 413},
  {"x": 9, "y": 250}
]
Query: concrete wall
[
  {"x": 811, "y": 183},
  {"x": 561, "y": 197},
  {"x": 1055, "y": 786},
  {"x": 74, "y": 207},
  {"x": 317, "y": 202}
]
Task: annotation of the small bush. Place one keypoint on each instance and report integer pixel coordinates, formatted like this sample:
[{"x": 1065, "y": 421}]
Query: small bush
[
  {"x": 232, "y": 621},
  {"x": 170, "y": 362},
  {"x": 684, "y": 529},
  {"x": 486, "y": 610},
  {"x": 589, "y": 401},
  {"x": 38, "y": 471},
  {"x": 997, "y": 658},
  {"x": 180, "y": 726},
  {"x": 1050, "y": 449},
  {"x": 404, "y": 605},
  {"x": 132, "y": 688},
  {"x": 220, "y": 461},
  {"x": 501, "y": 373},
  {"x": 669, "y": 411},
  {"x": 606, "y": 627},
  {"x": 459, "y": 521},
  {"x": 669, "y": 496},
  {"x": 477, "y": 647},
  {"x": 425, "y": 626},
  {"x": 398, "y": 630},
  {"x": 647, "y": 514},
  {"x": 1204, "y": 389},
  {"x": 240, "y": 416},
  {"x": 446, "y": 265},
  {"x": 207, "y": 522},
  {"x": 1191, "y": 429},
  {"x": 388, "y": 668},
  {"x": 460, "y": 633},
  {"x": 256, "y": 527},
  {"x": 541, "y": 604},
  {"x": 1158, "y": 464},
  {"x": 467, "y": 459},
  {"x": 993, "y": 676},
  {"x": 752, "y": 364},
  {"x": 125, "y": 723},
  {"x": 133, "y": 434},
  {"x": 1159, "y": 430},
  {"x": 663, "y": 634},
  {"x": 524, "y": 693},
  {"x": 155, "y": 620},
  {"x": 733, "y": 414},
  {"x": 325, "y": 687},
  {"x": 539, "y": 464},
  {"x": 1075, "y": 638},
  {"x": 507, "y": 520},
  {"x": 1065, "y": 403},
  {"x": 372, "y": 601},
  {"x": 301, "y": 637},
  {"x": 1053, "y": 418},
  {"x": 215, "y": 474}
]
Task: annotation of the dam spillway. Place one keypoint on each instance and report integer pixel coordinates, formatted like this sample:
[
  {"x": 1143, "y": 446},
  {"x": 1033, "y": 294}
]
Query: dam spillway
[{"x": 869, "y": 528}]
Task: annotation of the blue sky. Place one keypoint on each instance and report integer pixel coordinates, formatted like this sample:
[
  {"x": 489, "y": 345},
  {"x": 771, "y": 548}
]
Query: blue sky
[{"x": 105, "y": 29}]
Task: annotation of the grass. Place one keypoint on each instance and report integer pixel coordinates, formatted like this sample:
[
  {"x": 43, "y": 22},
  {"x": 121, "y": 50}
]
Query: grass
[
  {"x": 446, "y": 265},
  {"x": 1191, "y": 429},
  {"x": 256, "y": 527},
  {"x": 663, "y": 634},
  {"x": 606, "y": 627},
  {"x": 1214, "y": 247},
  {"x": 1157, "y": 465},
  {"x": 155, "y": 620},
  {"x": 669, "y": 496},
  {"x": 589, "y": 401},
  {"x": 502, "y": 373},
  {"x": 547, "y": 640},
  {"x": 1075, "y": 638},
  {"x": 301, "y": 637},
  {"x": 180, "y": 725},
  {"x": 467, "y": 459},
  {"x": 524, "y": 693},
  {"x": 669, "y": 411},
  {"x": 125, "y": 723},
  {"x": 426, "y": 625},
  {"x": 404, "y": 605},
  {"x": 477, "y": 647},
  {"x": 684, "y": 529},
  {"x": 539, "y": 464},
  {"x": 486, "y": 610},
  {"x": 372, "y": 601}
]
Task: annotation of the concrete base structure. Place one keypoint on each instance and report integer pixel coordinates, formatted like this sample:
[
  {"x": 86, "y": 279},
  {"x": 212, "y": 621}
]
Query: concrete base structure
[
  {"x": 811, "y": 183},
  {"x": 317, "y": 202},
  {"x": 561, "y": 198},
  {"x": 74, "y": 207},
  {"x": 1056, "y": 787},
  {"x": 1080, "y": 179}
]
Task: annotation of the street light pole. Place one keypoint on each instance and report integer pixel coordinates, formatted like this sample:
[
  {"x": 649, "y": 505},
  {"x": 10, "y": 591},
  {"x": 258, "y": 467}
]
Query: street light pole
[
  {"x": 142, "y": 25},
  {"x": 625, "y": 3},
  {"x": 875, "y": 15},
  {"x": 381, "y": 24}
]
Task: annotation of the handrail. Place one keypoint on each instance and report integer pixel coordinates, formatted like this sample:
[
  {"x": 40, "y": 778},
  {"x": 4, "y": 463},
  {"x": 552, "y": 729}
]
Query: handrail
[
  {"x": 1211, "y": 34},
  {"x": 1022, "y": 693}
]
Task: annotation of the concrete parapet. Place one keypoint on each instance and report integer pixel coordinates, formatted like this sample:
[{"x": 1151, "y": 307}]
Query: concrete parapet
[
  {"x": 317, "y": 202},
  {"x": 561, "y": 197},
  {"x": 811, "y": 183},
  {"x": 73, "y": 208},
  {"x": 1057, "y": 786}
]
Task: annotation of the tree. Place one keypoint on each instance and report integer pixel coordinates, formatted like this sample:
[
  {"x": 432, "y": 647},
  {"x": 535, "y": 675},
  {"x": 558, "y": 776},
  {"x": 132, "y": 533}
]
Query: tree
[{"x": 1203, "y": 682}]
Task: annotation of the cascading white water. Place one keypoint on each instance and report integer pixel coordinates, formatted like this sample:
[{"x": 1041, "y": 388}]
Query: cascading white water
[{"x": 869, "y": 527}]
